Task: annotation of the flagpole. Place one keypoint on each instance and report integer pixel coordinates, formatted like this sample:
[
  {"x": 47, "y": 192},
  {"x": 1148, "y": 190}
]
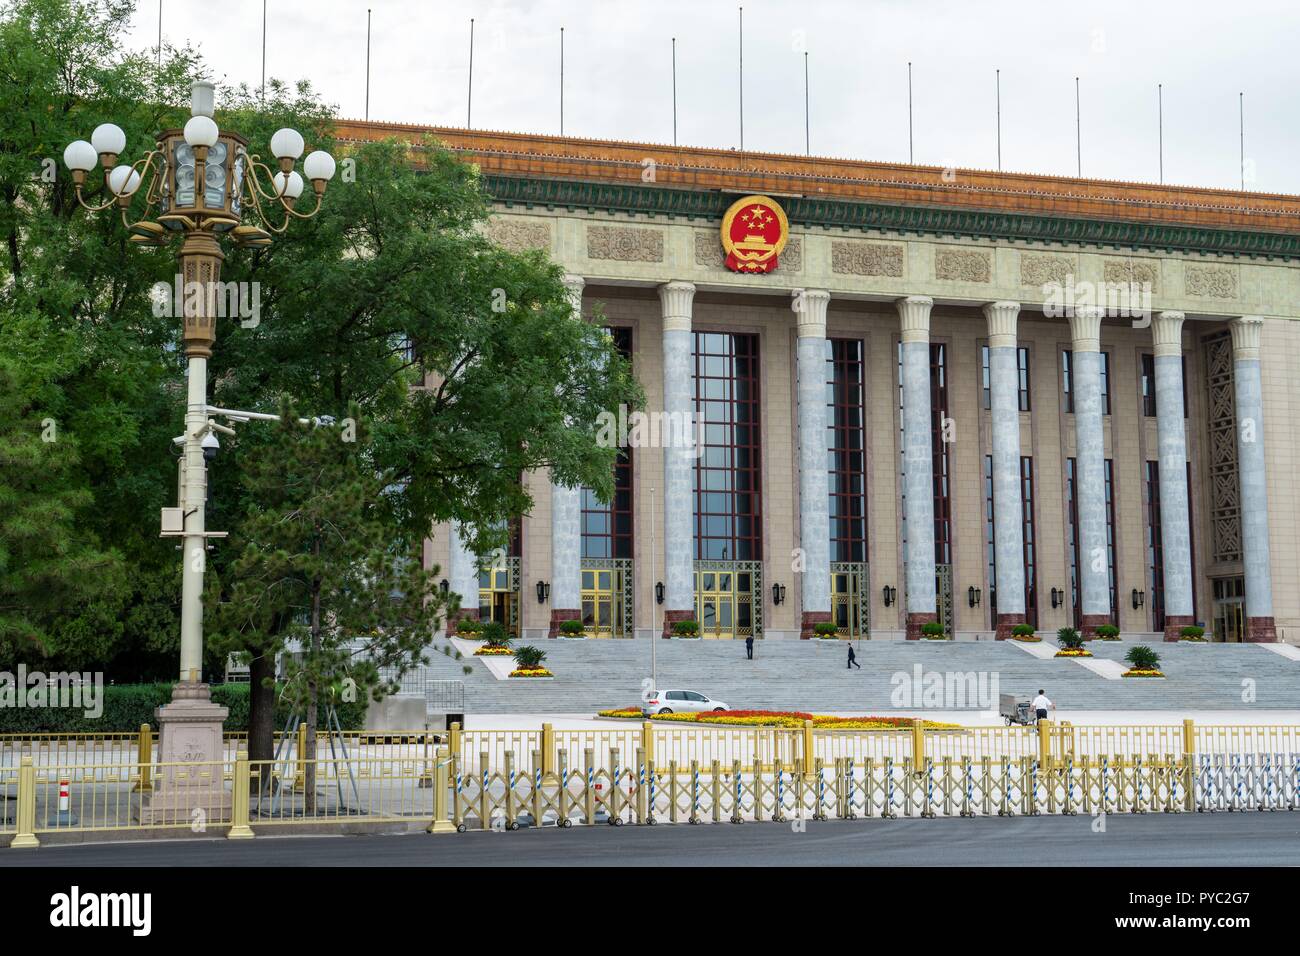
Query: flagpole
[
  {"x": 998, "y": 81},
  {"x": 469, "y": 96},
  {"x": 911, "y": 159},
  {"x": 1160, "y": 117},
  {"x": 561, "y": 81},
  {"x": 674, "y": 91},
  {"x": 367, "y": 64},
  {"x": 807, "y": 140},
  {"x": 742, "y": 79},
  {"x": 1078, "y": 130}
]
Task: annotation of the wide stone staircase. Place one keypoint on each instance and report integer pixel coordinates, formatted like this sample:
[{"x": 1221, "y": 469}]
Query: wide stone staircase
[{"x": 811, "y": 675}]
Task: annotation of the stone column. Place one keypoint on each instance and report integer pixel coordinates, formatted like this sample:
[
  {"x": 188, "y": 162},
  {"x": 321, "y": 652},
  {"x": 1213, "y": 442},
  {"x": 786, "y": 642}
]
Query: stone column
[
  {"x": 679, "y": 457},
  {"x": 918, "y": 463},
  {"x": 566, "y": 525},
  {"x": 1090, "y": 468},
  {"x": 462, "y": 577},
  {"x": 1008, "y": 510},
  {"x": 1254, "y": 491},
  {"x": 1175, "y": 528},
  {"x": 814, "y": 494}
]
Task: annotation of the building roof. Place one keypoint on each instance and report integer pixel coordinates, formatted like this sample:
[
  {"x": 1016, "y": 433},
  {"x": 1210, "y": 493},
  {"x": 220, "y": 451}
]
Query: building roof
[{"x": 1023, "y": 206}]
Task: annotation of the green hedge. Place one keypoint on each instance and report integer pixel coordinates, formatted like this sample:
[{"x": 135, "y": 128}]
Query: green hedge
[{"x": 127, "y": 706}]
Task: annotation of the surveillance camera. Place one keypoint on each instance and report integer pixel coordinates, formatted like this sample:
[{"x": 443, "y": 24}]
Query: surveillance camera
[{"x": 210, "y": 446}]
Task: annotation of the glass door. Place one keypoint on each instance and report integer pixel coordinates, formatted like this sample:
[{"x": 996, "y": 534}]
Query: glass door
[
  {"x": 498, "y": 600},
  {"x": 715, "y": 603},
  {"x": 600, "y": 600}
]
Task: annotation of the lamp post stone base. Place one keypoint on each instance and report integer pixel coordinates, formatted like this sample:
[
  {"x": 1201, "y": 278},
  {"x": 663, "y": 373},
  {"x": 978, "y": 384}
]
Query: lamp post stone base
[{"x": 190, "y": 783}]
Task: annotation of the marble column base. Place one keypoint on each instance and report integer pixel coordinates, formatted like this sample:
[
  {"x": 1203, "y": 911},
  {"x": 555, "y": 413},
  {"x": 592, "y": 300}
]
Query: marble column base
[
  {"x": 1088, "y": 624},
  {"x": 1261, "y": 630},
  {"x": 916, "y": 621},
  {"x": 1005, "y": 623},
  {"x": 190, "y": 732},
  {"x": 1174, "y": 624},
  {"x": 558, "y": 617},
  {"x": 810, "y": 621},
  {"x": 672, "y": 617}
]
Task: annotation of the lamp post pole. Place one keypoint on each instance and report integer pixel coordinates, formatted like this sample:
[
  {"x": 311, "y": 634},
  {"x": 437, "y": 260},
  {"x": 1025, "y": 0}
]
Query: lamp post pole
[{"x": 197, "y": 183}]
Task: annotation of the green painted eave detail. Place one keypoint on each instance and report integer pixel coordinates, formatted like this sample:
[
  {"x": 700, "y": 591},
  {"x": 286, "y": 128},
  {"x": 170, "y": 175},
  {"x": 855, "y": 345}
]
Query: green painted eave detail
[{"x": 710, "y": 205}]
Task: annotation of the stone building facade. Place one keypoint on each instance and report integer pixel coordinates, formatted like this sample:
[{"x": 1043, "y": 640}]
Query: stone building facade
[{"x": 978, "y": 398}]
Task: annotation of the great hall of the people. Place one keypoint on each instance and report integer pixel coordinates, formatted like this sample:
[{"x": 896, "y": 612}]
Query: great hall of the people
[{"x": 977, "y": 398}]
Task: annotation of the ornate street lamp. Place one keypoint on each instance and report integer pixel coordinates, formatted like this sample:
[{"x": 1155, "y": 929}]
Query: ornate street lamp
[{"x": 199, "y": 184}]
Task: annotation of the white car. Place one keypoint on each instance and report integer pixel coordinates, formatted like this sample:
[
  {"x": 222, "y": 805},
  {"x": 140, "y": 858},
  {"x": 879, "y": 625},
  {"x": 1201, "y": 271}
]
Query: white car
[{"x": 679, "y": 701}]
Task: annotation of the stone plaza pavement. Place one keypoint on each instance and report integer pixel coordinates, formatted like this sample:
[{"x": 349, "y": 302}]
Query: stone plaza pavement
[{"x": 592, "y": 675}]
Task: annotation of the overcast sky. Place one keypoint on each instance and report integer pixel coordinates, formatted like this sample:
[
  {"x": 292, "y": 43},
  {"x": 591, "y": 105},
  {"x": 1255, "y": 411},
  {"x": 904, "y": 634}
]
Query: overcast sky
[{"x": 618, "y": 74}]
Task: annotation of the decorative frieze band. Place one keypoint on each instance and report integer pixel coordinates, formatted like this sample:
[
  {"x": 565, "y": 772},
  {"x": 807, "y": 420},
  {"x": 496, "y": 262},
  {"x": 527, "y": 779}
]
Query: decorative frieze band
[
  {"x": 625, "y": 244},
  {"x": 963, "y": 265},
  {"x": 1130, "y": 272},
  {"x": 867, "y": 258},
  {"x": 1213, "y": 282},
  {"x": 519, "y": 235},
  {"x": 1041, "y": 270}
]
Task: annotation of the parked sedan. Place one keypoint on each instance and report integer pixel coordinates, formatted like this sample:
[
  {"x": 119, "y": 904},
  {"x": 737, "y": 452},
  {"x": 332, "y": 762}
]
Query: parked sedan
[{"x": 679, "y": 701}]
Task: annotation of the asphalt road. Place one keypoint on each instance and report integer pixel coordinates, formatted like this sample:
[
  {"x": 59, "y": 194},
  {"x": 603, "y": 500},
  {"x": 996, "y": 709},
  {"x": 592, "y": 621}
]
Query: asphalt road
[{"x": 1222, "y": 839}]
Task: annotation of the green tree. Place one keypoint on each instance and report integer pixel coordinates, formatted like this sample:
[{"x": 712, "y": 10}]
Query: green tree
[
  {"x": 317, "y": 567},
  {"x": 74, "y": 304}
]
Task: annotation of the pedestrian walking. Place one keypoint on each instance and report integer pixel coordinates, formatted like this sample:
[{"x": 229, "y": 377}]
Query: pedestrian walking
[
  {"x": 1041, "y": 705},
  {"x": 853, "y": 658},
  {"x": 749, "y": 647}
]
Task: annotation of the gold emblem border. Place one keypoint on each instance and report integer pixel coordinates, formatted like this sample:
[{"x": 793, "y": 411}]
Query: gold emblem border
[{"x": 734, "y": 210}]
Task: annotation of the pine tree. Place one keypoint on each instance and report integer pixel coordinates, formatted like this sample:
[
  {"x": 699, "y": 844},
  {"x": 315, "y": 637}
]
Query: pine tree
[{"x": 318, "y": 570}]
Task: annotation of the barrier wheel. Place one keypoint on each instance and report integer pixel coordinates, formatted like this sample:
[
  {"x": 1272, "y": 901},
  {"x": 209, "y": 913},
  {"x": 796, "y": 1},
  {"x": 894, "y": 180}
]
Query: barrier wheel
[
  {"x": 513, "y": 826},
  {"x": 617, "y": 821},
  {"x": 650, "y": 821},
  {"x": 567, "y": 823},
  {"x": 460, "y": 828}
]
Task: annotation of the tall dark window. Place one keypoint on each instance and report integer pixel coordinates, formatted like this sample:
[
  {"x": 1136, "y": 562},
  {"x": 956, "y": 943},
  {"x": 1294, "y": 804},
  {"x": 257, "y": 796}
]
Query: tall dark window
[
  {"x": 1072, "y": 522},
  {"x": 1022, "y": 361},
  {"x": 728, "y": 524},
  {"x": 1149, "y": 385},
  {"x": 845, "y": 419},
  {"x": 1066, "y": 369},
  {"x": 607, "y": 529},
  {"x": 1027, "y": 517},
  {"x": 1155, "y": 549}
]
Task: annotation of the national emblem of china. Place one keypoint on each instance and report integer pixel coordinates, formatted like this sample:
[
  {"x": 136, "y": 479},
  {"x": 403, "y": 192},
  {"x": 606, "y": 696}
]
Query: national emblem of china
[{"x": 754, "y": 232}]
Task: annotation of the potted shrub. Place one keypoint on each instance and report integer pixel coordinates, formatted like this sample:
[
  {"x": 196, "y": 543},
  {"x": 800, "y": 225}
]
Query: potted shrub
[
  {"x": 932, "y": 631},
  {"x": 1192, "y": 634},
  {"x": 1107, "y": 632},
  {"x": 1025, "y": 632},
  {"x": 686, "y": 629},
  {"x": 825, "y": 629},
  {"x": 1071, "y": 643},
  {"x": 571, "y": 628},
  {"x": 470, "y": 628},
  {"x": 528, "y": 662},
  {"x": 496, "y": 640},
  {"x": 1143, "y": 662}
]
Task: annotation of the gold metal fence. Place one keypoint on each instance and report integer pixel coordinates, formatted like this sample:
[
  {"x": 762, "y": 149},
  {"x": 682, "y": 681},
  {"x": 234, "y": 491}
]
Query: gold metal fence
[{"x": 437, "y": 791}]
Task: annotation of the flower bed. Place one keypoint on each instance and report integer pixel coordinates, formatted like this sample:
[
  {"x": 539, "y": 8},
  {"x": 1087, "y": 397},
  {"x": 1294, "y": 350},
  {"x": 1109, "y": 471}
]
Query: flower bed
[
  {"x": 492, "y": 650},
  {"x": 530, "y": 672},
  {"x": 1142, "y": 673},
  {"x": 1073, "y": 652},
  {"x": 777, "y": 718},
  {"x": 1027, "y": 638}
]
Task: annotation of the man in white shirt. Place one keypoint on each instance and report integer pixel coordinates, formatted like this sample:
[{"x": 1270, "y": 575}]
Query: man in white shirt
[{"x": 1041, "y": 705}]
